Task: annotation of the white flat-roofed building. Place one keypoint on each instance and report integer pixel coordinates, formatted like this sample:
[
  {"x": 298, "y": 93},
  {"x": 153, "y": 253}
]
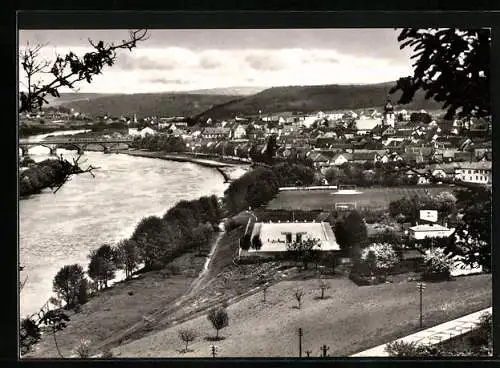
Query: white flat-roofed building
[
  {"x": 275, "y": 236},
  {"x": 423, "y": 231}
]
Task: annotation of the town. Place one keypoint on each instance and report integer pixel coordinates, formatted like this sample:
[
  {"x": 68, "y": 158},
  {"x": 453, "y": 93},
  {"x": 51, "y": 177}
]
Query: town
[{"x": 449, "y": 150}]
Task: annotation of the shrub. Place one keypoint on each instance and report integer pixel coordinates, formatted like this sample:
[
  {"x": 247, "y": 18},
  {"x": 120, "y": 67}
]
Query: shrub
[
  {"x": 83, "y": 348},
  {"x": 437, "y": 265},
  {"x": 256, "y": 242},
  {"x": 173, "y": 269},
  {"x": 405, "y": 349},
  {"x": 107, "y": 354},
  {"x": 379, "y": 257}
]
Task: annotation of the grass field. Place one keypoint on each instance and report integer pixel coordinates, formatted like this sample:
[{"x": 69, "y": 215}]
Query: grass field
[
  {"x": 123, "y": 305},
  {"x": 373, "y": 198},
  {"x": 352, "y": 319}
]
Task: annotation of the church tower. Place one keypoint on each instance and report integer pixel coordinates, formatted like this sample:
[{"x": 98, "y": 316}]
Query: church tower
[{"x": 389, "y": 117}]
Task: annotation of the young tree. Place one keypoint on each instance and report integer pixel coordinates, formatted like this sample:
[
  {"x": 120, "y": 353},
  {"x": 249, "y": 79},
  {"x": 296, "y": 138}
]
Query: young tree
[
  {"x": 298, "y": 294},
  {"x": 323, "y": 286},
  {"x": 56, "y": 321},
  {"x": 187, "y": 336},
  {"x": 67, "y": 282},
  {"x": 452, "y": 66},
  {"x": 264, "y": 282},
  {"x": 219, "y": 319}
]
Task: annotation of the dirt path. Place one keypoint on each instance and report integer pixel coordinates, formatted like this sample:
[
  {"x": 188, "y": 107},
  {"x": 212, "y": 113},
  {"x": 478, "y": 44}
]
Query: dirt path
[
  {"x": 203, "y": 276},
  {"x": 169, "y": 308}
]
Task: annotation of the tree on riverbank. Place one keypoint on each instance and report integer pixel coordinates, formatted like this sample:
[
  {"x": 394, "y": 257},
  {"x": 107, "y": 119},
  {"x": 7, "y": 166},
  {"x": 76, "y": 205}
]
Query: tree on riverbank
[
  {"x": 66, "y": 283},
  {"x": 128, "y": 256},
  {"x": 103, "y": 264}
]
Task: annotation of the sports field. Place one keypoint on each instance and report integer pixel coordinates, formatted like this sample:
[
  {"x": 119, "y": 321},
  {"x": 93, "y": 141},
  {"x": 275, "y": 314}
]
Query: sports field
[{"x": 373, "y": 198}]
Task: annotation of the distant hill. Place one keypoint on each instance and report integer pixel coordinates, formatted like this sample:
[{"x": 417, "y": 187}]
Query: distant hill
[
  {"x": 149, "y": 104},
  {"x": 316, "y": 98},
  {"x": 232, "y": 91},
  {"x": 71, "y": 97},
  {"x": 221, "y": 103}
]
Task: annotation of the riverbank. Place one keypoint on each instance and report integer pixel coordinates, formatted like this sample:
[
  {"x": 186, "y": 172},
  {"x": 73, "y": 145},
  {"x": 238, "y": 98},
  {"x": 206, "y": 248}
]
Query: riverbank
[{"x": 180, "y": 158}]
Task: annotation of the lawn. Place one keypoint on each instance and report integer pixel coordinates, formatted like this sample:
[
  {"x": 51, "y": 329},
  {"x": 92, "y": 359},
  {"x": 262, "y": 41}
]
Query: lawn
[
  {"x": 114, "y": 310},
  {"x": 352, "y": 319},
  {"x": 372, "y": 198}
]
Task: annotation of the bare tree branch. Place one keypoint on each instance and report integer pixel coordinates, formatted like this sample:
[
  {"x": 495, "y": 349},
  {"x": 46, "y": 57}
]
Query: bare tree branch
[{"x": 69, "y": 70}]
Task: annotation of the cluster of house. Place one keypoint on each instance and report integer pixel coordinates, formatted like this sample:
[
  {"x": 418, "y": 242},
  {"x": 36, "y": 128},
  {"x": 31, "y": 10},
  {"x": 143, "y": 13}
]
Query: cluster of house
[
  {"x": 332, "y": 139},
  {"x": 53, "y": 116}
]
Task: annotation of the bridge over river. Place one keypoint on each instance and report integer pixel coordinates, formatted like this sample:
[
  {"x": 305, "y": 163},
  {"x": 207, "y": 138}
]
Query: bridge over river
[{"x": 79, "y": 144}]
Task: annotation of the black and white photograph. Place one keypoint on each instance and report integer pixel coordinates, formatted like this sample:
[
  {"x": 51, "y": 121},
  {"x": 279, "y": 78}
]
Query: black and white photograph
[{"x": 230, "y": 193}]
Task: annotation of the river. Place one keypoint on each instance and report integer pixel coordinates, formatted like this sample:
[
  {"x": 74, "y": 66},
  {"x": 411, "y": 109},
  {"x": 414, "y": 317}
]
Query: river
[{"x": 60, "y": 229}]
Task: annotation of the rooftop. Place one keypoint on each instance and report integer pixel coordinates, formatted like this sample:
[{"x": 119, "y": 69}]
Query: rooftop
[
  {"x": 272, "y": 234},
  {"x": 429, "y": 227}
]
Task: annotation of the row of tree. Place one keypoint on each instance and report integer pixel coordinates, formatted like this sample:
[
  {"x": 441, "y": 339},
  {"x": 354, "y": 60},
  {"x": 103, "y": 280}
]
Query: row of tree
[
  {"x": 369, "y": 174},
  {"x": 159, "y": 142},
  {"x": 408, "y": 209},
  {"x": 260, "y": 185}
]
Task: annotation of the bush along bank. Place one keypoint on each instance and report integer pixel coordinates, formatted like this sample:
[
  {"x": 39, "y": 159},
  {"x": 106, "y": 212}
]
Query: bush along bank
[
  {"x": 257, "y": 187},
  {"x": 45, "y": 174}
]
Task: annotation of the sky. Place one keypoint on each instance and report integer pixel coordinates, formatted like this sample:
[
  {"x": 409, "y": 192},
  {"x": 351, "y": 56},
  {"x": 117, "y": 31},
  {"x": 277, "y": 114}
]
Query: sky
[{"x": 190, "y": 59}]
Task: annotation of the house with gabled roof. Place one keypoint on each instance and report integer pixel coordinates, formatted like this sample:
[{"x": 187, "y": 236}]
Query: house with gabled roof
[{"x": 474, "y": 172}]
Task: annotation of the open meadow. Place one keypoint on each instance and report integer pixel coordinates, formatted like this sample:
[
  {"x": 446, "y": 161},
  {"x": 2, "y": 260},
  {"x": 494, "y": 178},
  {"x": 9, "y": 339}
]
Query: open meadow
[
  {"x": 349, "y": 320},
  {"x": 369, "y": 198}
]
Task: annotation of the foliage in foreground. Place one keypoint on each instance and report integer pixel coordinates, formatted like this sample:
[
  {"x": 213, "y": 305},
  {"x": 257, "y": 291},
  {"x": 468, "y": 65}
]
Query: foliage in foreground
[{"x": 479, "y": 342}]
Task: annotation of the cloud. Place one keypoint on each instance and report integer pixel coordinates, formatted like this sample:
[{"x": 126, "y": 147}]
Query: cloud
[
  {"x": 128, "y": 62},
  {"x": 211, "y": 59},
  {"x": 265, "y": 61},
  {"x": 162, "y": 80}
]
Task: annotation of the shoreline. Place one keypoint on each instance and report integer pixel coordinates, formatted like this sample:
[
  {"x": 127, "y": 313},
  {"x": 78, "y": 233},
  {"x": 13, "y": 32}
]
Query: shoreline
[{"x": 180, "y": 158}]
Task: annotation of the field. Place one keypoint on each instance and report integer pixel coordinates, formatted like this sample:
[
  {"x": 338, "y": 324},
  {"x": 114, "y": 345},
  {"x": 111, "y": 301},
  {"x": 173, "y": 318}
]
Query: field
[
  {"x": 350, "y": 320},
  {"x": 372, "y": 198}
]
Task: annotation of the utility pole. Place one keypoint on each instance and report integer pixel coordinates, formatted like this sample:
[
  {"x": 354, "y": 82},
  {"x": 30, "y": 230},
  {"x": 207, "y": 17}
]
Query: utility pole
[
  {"x": 300, "y": 342},
  {"x": 324, "y": 349},
  {"x": 214, "y": 350},
  {"x": 420, "y": 287}
]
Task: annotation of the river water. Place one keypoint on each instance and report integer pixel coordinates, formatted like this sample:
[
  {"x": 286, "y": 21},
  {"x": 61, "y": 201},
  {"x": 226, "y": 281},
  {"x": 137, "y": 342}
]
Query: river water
[{"x": 60, "y": 229}]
